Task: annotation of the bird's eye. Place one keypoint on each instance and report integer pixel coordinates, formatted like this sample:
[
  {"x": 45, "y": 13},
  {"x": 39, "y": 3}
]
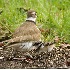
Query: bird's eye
[{"x": 34, "y": 13}]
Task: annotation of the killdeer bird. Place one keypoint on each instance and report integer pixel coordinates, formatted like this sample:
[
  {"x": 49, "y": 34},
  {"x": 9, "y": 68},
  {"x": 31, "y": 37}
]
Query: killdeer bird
[{"x": 27, "y": 34}]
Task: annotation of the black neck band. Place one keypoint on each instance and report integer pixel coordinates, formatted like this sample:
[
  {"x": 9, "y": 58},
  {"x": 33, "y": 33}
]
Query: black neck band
[{"x": 31, "y": 21}]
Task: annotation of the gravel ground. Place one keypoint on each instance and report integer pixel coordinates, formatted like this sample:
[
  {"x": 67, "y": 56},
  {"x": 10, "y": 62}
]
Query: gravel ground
[{"x": 58, "y": 58}]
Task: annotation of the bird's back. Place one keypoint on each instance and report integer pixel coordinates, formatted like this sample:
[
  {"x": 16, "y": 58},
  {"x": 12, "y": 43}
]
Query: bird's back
[{"x": 29, "y": 31}]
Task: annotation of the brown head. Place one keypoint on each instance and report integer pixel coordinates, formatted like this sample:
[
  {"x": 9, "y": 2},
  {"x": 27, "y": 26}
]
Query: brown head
[
  {"x": 31, "y": 13},
  {"x": 31, "y": 16}
]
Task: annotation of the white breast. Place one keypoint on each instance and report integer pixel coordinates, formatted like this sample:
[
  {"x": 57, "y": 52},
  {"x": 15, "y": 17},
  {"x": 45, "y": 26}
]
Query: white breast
[
  {"x": 31, "y": 18},
  {"x": 26, "y": 45}
]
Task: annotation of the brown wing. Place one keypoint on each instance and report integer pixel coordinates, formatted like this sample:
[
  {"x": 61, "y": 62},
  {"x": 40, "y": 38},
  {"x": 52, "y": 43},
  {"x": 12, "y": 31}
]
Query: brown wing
[{"x": 28, "y": 31}]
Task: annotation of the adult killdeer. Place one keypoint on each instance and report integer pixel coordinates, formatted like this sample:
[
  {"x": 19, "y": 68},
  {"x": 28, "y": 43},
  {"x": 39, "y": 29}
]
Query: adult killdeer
[{"x": 27, "y": 34}]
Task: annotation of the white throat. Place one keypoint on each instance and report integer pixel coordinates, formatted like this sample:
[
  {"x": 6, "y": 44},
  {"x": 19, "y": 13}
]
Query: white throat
[{"x": 31, "y": 18}]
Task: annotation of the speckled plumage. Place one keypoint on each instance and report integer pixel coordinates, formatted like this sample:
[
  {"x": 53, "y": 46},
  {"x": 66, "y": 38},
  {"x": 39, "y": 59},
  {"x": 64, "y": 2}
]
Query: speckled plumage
[{"x": 28, "y": 31}]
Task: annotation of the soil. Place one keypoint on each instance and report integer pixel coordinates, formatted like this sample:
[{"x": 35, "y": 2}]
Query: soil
[{"x": 58, "y": 58}]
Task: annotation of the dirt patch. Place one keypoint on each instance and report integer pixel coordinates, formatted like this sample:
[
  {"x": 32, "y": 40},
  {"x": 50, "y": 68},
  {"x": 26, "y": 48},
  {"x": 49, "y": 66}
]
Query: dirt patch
[{"x": 57, "y": 58}]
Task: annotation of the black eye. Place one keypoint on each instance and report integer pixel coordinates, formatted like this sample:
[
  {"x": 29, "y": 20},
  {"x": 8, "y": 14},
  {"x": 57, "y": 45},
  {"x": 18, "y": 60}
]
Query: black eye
[{"x": 35, "y": 13}]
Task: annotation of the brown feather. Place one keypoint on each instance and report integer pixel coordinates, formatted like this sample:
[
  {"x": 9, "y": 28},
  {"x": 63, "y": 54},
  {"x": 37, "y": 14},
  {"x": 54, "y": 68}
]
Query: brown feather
[{"x": 28, "y": 31}]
